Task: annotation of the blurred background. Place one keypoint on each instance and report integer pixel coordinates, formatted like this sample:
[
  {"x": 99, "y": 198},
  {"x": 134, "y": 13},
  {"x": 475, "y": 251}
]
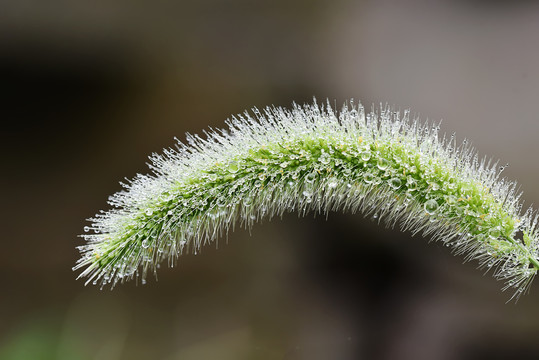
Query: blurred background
[{"x": 91, "y": 88}]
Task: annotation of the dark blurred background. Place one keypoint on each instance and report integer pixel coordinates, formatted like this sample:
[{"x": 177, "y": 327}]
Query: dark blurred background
[{"x": 91, "y": 88}]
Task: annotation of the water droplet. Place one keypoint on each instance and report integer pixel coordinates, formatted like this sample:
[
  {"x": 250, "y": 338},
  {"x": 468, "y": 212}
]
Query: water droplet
[
  {"x": 451, "y": 200},
  {"x": 183, "y": 242},
  {"x": 382, "y": 164},
  {"x": 310, "y": 177},
  {"x": 261, "y": 176},
  {"x": 248, "y": 201},
  {"x": 221, "y": 201},
  {"x": 307, "y": 193},
  {"x": 258, "y": 183},
  {"x": 284, "y": 165},
  {"x": 431, "y": 206},
  {"x": 368, "y": 177},
  {"x": 324, "y": 159},
  {"x": 395, "y": 183},
  {"x": 365, "y": 156},
  {"x": 149, "y": 212},
  {"x": 495, "y": 232},
  {"x": 169, "y": 213},
  {"x": 332, "y": 183},
  {"x": 233, "y": 167},
  {"x": 411, "y": 184},
  {"x": 86, "y": 228},
  {"x": 145, "y": 243}
]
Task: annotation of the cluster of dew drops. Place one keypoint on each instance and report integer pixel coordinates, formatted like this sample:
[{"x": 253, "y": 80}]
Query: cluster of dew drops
[{"x": 344, "y": 167}]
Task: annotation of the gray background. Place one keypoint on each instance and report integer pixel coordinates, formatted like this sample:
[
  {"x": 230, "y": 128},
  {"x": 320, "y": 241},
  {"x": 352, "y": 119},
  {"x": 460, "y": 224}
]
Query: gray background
[{"x": 91, "y": 88}]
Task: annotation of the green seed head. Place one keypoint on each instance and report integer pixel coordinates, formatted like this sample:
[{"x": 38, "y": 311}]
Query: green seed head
[{"x": 313, "y": 158}]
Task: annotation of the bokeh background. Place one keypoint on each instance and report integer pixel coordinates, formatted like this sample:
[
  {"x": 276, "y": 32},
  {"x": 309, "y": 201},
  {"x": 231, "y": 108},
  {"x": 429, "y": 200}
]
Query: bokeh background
[{"x": 91, "y": 88}]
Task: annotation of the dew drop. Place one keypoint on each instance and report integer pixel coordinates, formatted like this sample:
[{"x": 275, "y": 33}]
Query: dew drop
[
  {"x": 86, "y": 229},
  {"x": 309, "y": 178},
  {"x": 382, "y": 164},
  {"x": 431, "y": 206},
  {"x": 233, "y": 167},
  {"x": 169, "y": 213},
  {"x": 495, "y": 232},
  {"x": 332, "y": 183},
  {"x": 395, "y": 183},
  {"x": 221, "y": 201},
  {"x": 411, "y": 184},
  {"x": 149, "y": 212},
  {"x": 324, "y": 159},
  {"x": 368, "y": 177},
  {"x": 365, "y": 156},
  {"x": 248, "y": 201},
  {"x": 451, "y": 200},
  {"x": 408, "y": 197},
  {"x": 465, "y": 188},
  {"x": 145, "y": 243},
  {"x": 307, "y": 194},
  {"x": 284, "y": 164}
]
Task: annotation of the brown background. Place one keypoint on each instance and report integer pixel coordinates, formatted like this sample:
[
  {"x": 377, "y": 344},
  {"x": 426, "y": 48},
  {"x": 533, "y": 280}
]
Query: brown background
[{"x": 91, "y": 88}]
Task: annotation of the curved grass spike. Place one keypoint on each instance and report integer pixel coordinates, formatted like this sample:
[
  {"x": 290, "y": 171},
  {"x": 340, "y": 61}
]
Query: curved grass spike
[{"x": 312, "y": 158}]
